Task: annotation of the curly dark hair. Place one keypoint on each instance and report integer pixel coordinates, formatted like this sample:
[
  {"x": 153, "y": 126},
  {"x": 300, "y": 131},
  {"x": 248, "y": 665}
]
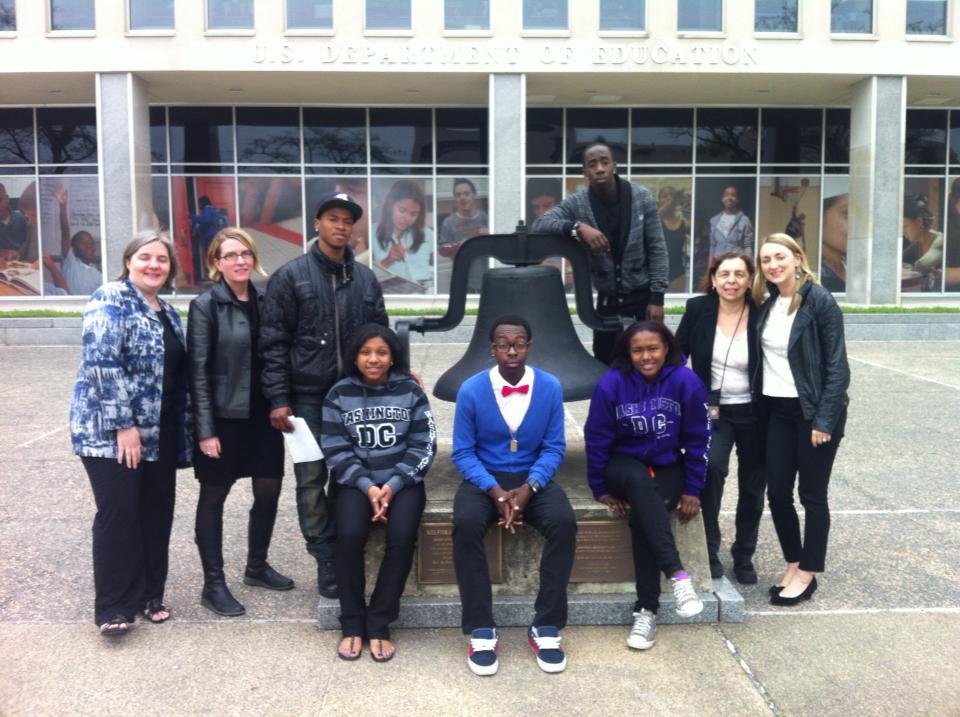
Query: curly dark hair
[
  {"x": 621, "y": 349},
  {"x": 401, "y": 361}
]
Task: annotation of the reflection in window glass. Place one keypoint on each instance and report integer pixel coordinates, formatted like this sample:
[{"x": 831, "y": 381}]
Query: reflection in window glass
[
  {"x": 702, "y": 15},
  {"x": 837, "y": 137},
  {"x": 926, "y": 137},
  {"x": 229, "y": 14},
  {"x": 388, "y": 15},
  {"x": 727, "y": 135},
  {"x": 8, "y": 15},
  {"x": 790, "y": 136},
  {"x": 775, "y": 16},
  {"x": 151, "y": 15},
  {"x": 461, "y": 136},
  {"x": 466, "y": 14},
  {"x": 201, "y": 134},
  {"x": 400, "y": 136},
  {"x": 854, "y": 16},
  {"x": 590, "y": 126},
  {"x": 158, "y": 134},
  {"x": 72, "y": 15},
  {"x": 922, "y": 268},
  {"x": 544, "y": 135},
  {"x": 309, "y": 14},
  {"x": 334, "y": 136},
  {"x": 662, "y": 136},
  {"x": 268, "y": 135},
  {"x": 622, "y": 15},
  {"x": 545, "y": 14},
  {"x": 926, "y": 17},
  {"x": 67, "y": 135},
  {"x": 16, "y": 136}
]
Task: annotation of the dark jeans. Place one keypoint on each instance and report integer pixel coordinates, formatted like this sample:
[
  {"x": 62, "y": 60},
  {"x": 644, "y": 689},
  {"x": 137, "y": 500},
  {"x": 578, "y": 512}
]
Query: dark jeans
[
  {"x": 353, "y": 527},
  {"x": 736, "y": 426},
  {"x": 131, "y": 532},
  {"x": 607, "y": 305},
  {"x": 550, "y": 513},
  {"x": 790, "y": 452},
  {"x": 315, "y": 509},
  {"x": 651, "y": 502}
]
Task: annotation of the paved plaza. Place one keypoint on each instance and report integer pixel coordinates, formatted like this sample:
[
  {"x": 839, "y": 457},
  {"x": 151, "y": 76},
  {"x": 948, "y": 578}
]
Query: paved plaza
[{"x": 880, "y": 637}]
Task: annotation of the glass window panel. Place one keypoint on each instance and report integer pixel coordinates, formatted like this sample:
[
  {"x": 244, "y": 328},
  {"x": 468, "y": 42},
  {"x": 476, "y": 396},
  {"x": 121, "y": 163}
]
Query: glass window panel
[
  {"x": 955, "y": 137},
  {"x": 271, "y": 210},
  {"x": 200, "y": 205},
  {"x": 590, "y": 126},
  {"x": 458, "y": 171},
  {"x": 544, "y": 136},
  {"x": 400, "y": 136},
  {"x": 161, "y": 201},
  {"x": 702, "y": 15},
  {"x": 723, "y": 217},
  {"x": 836, "y": 208},
  {"x": 727, "y": 135},
  {"x": 72, "y": 15},
  {"x": 674, "y": 203},
  {"x": 926, "y": 137},
  {"x": 158, "y": 134},
  {"x": 335, "y": 135},
  {"x": 356, "y": 187},
  {"x": 70, "y": 237},
  {"x": 201, "y": 169},
  {"x": 854, "y": 16},
  {"x": 8, "y": 15},
  {"x": 951, "y": 275},
  {"x": 466, "y": 14},
  {"x": 201, "y": 134},
  {"x": 545, "y": 15},
  {"x": 309, "y": 14},
  {"x": 837, "y": 137},
  {"x": 922, "y": 267},
  {"x": 622, "y": 15},
  {"x": 543, "y": 194},
  {"x": 926, "y": 17},
  {"x": 18, "y": 230},
  {"x": 268, "y": 135},
  {"x": 662, "y": 136},
  {"x": 791, "y": 205},
  {"x": 388, "y": 15},
  {"x": 16, "y": 136},
  {"x": 229, "y": 14},
  {"x": 67, "y": 135},
  {"x": 791, "y": 135},
  {"x": 337, "y": 170},
  {"x": 461, "y": 136},
  {"x": 775, "y": 16},
  {"x": 402, "y": 215},
  {"x": 462, "y": 205},
  {"x": 151, "y": 15}
]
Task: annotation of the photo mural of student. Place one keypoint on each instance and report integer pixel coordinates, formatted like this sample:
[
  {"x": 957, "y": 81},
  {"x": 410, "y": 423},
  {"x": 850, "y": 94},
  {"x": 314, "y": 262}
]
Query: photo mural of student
[
  {"x": 270, "y": 210},
  {"x": 791, "y": 205},
  {"x": 922, "y": 243},
  {"x": 543, "y": 194},
  {"x": 951, "y": 275},
  {"x": 19, "y": 273},
  {"x": 836, "y": 208},
  {"x": 466, "y": 219},
  {"x": 401, "y": 244},
  {"x": 200, "y": 203},
  {"x": 673, "y": 204},
  {"x": 74, "y": 265},
  {"x": 729, "y": 229}
]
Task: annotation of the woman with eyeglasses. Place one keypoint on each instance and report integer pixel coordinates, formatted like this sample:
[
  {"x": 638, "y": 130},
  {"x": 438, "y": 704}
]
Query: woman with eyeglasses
[{"x": 234, "y": 435}]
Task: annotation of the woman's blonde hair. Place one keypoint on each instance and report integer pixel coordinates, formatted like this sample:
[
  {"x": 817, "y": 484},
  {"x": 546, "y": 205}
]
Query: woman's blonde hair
[
  {"x": 237, "y": 234},
  {"x": 806, "y": 273}
]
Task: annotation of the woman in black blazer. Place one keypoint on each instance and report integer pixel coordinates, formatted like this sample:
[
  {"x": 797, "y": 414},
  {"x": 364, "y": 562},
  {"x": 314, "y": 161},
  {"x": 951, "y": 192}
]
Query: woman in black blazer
[
  {"x": 718, "y": 332},
  {"x": 234, "y": 435}
]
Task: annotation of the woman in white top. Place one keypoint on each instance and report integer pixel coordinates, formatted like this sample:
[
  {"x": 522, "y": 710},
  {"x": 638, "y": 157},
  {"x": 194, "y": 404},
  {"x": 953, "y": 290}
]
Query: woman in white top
[
  {"x": 804, "y": 382},
  {"x": 718, "y": 332}
]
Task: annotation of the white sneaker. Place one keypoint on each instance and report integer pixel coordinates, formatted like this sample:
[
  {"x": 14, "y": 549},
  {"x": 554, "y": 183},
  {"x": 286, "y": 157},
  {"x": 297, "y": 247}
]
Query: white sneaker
[
  {"x": 688, "y": 604},
  {"x": 644, "y": 630}
]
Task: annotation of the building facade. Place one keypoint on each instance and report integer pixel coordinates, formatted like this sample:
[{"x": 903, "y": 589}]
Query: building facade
[{"x": 837, "y": 122}]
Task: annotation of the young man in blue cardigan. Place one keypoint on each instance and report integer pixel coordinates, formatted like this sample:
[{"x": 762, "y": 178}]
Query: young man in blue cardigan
[{"x": 508, "y": 443}]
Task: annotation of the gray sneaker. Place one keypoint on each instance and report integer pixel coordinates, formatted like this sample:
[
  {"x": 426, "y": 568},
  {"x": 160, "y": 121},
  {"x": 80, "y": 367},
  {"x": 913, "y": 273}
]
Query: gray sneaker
[
  {"x": 688, "y": 604},
  {"x": 644, "y": 630}
]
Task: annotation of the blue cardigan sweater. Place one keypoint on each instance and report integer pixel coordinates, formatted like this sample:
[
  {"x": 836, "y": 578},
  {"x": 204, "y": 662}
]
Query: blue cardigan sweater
[{"x": 481, "y": 438}]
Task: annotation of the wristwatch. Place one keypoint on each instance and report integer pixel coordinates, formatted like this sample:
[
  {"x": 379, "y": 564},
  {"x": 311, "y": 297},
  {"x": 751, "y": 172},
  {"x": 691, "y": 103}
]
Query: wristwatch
[
  {"x": 534, "y": 486},
  {"x": 574, "y": 229}
]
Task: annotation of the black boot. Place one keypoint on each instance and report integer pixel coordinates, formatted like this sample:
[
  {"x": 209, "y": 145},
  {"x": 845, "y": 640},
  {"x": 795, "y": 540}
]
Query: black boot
[
  {"x": 215, "y": 596},
  {"x": 327, "y": 579},
  {"x": 259, "y": 531}
]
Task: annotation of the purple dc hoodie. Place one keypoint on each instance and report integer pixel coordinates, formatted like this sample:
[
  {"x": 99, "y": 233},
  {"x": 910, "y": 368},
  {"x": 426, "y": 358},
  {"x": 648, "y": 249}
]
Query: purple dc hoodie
[{"x": 659, "y": 423}]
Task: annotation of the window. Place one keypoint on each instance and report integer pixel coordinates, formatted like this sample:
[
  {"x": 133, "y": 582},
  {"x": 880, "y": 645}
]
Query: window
[
  {"x": 622, "y": 15},
  {"x": 8, "y": 16},
  {"x": 66, "y": 15},
  {"x": 16, "y": 136},
  {"x": 461, "y": 136},
  {"x": 700, "y": 15},
  {"x": 590, "y": 126},
  {"x": 727, "y": 135},
  {"x": 662, "y": 136},
  {"x": 201, "y": 134},
  {"x": 335, "y": 136},
  {"x": 151, "y": 15},
  {"x": 229, "y": 14},
  {"x": 926, "y": 137},
  {"x": 67, "y": 135},
  {"x": 309, "y": 14},
  {"x": 775, "y": 16},
  {"x": 400, "y": 136},
  {"x": 466, "y": 15},
  {"x": 791, "y": 136},
  {"x": 854, "y": 16},
  {"x": 268, "y": 135},
  {"x": 389, "y": 15},
  {"x": 545, "y": 15},
  {"x": 926, "y": 17}
]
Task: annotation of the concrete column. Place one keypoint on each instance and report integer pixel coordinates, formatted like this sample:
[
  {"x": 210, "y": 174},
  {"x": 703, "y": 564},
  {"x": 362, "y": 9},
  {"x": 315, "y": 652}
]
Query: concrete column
[
  {"x": 508, "y": 150},
  {"x": 877, "y": 130},
  {"x": 123, "y": 138}
]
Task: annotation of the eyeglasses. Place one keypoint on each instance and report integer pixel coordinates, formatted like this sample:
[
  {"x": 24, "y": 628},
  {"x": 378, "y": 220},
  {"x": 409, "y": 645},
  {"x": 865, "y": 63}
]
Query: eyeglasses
[
  {"x": 232, "y": 257},
  {"x": 519, "y": 347}
]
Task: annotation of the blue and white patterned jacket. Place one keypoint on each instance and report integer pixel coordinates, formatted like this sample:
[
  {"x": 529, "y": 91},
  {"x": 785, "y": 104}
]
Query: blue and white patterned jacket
[{"x": 120, "y": 379}]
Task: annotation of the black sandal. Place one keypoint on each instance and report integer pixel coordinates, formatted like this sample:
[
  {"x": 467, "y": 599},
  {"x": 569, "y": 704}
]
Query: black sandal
[
  {"x": 115, "y": 627},
  {"x": 350, "y": 656},
  {"x": 153, "y": 608}
]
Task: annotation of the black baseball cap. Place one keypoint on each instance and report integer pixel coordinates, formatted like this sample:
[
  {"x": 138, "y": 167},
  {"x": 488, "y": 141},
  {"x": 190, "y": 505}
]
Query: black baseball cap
[{"x": 339, "y": 199}]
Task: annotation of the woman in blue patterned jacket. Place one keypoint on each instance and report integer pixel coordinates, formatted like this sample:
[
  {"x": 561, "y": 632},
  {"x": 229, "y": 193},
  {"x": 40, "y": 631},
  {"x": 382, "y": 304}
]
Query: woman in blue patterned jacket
[{"x": 129, "y": 423}]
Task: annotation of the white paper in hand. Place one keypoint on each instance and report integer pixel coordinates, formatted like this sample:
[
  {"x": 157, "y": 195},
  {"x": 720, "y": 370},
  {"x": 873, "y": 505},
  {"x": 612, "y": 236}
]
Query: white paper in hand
[{"x": 300, "y": 442}]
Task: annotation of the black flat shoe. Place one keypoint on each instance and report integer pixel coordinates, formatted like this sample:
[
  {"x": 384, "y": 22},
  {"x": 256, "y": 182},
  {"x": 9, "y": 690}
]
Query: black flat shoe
[
  {"x": 745, "y": 574},
  {"x": 778, "y": 599},
  {"x": 267, "y": 577},
  {"x": 775, "y": 590}
]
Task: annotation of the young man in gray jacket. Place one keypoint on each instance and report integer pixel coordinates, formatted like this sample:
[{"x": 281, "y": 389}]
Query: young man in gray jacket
[{"x": 620, "y": 223}]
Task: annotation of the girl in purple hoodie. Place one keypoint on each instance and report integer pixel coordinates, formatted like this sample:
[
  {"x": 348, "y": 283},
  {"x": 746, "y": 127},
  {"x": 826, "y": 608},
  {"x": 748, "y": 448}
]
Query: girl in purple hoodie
[{"x": 647, "y": 437}]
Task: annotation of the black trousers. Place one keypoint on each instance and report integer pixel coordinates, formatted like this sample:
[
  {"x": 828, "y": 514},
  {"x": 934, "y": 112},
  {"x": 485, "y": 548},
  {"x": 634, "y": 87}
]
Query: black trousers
[
  {"x": 651, "y": 502},
  {"x": 736, "y": 426},
  {"x": 550, "y": 512},
  {"x": 789, "y": 454},
  {"x": 633, "y": 307},
  {"x": 353, "y": 527},
  {"x": 131, "y": 532}
]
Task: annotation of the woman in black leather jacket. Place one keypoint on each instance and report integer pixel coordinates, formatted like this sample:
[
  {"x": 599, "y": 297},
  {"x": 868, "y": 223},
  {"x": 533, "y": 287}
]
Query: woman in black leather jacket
[
  {"x": 803, "y": 377},
  {"x": 234, "y": 435}
]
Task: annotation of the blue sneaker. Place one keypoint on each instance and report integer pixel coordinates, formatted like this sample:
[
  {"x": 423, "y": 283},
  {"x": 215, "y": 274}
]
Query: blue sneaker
[
  {"x": 545, "y": 641},
  {"x": 482, "y": 657}
]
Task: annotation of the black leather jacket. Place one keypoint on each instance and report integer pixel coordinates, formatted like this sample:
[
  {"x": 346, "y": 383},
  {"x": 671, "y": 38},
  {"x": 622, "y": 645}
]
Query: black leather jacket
[
  {"x": 219, "y": 353},
  {"x": 817, "y": 354},
  {"x": 313, "y": 306}
]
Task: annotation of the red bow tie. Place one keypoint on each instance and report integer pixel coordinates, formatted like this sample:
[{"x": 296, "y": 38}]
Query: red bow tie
[{"x": 507, "y": 390}]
